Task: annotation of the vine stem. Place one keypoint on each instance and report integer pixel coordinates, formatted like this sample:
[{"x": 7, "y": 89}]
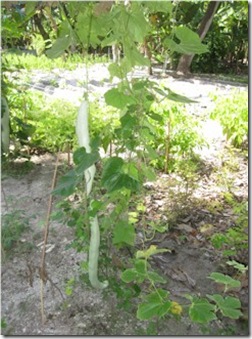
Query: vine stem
[{"x": 42, "y": 270}]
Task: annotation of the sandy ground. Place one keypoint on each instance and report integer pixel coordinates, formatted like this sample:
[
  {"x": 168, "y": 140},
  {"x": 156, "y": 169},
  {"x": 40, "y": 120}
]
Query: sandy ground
[{"x": 86, "y": 311}]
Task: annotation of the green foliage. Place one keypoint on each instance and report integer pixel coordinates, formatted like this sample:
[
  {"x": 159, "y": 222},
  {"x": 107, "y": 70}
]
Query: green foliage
[
  {"x": 39, "y": 122},
  {"x": 176, "y": 136},
  {"x": 117, "y": 175},
  {"x": 14, "y": 224},
  {"x": 68, "y": 183},
  {"x": 240, "y": 267},
  {"x": 3, "y": 323},
  {"x": 236, "y": 237},
  {"x": 227, "y": 40},
  {"x": 201, "y": 311},
  {"x": 190, "y": 42},
  {"x": 229, "y": 306},
  {"x": 32, "y": 62},
  {"x": 232, "y": 112},
  {"x": 49, "y": 125},
  {"x": 124, "y": 233},
  {"x": 155, "y": 304},
  {"x": 70, "y": 286},
  {"x": 225, "y": 279}
]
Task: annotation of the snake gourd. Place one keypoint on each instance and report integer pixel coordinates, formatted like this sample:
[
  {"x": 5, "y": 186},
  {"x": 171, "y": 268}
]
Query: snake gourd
[{"x": 82, "y": 132}]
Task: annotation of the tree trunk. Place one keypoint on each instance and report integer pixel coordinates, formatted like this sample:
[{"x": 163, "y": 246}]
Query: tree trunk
[
  {"x": 45, "y": 35},
  {"x": 186, "y": 59}
]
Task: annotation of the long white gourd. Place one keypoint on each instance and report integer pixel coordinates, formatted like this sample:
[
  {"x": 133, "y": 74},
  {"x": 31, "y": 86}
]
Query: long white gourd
[{"x": 82, "y": 132}]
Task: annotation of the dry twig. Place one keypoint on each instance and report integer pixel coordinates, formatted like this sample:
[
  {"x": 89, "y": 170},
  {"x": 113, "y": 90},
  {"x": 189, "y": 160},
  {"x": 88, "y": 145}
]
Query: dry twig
[{"x": 42, "y": 270}]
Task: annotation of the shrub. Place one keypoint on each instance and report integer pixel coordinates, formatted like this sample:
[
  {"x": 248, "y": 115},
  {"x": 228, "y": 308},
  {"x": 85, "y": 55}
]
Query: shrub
[{"x": 232, "y": 113}]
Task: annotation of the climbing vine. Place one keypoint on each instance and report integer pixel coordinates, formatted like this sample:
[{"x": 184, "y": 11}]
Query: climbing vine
[{"x": 127, "y": 168}]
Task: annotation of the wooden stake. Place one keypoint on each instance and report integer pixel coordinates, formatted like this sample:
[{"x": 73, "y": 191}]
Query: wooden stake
[{"x": 42, "y": 270}]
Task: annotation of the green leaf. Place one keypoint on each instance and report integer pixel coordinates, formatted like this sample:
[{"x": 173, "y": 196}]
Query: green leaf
[
  {"x": 154, "y": 305},
  {"x": 132, "y": 171},
  {"x": 129, "y": 275},
  {"x": 201, "y": 311},
  {"x": 190, "y": 42},
  {"x": 150, "y": 251},
  {"x": 119, "y": 71},
  {"x": 151, "y": 152},
  {"x": 117, "y": 99},
  {"x": 229, "y": 306},
  {"x": 132, "y": 54},
  {"x": 30, "y": 7},
  {"x": 112, "y": 166},
  {"x": 148, "y": 173},
  {"x": 159, "y": 6},
  {"x": 177, "y": 97},
  {"x": 84, "y": 160},
  {"x": 89, "y": 28},
  {"x": 67, "y": 184},
  {"x": 140, "y": 266},
  {"x": 94, "y": 207},
  {"x": 138, "y": 273},
  {"x": 156, "y": 278},
  {"x": 59, "y": 47},
  {"x": 137, "y": 24},
  {"x": 224, "y": 279},
  {"x": 124, "y": 233},
  {"x": 155, "y": 116},
  {"x": 114, "y": 178},
  {"x": 240, "y": 267}
]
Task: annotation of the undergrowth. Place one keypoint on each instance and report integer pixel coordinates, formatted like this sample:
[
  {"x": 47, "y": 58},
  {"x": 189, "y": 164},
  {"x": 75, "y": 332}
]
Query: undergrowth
[{"x": 42, "y": 62}]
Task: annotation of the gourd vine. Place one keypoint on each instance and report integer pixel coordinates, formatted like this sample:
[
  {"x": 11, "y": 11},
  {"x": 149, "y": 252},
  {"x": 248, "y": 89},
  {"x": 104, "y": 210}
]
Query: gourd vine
[{"x": 82, "y": 131}]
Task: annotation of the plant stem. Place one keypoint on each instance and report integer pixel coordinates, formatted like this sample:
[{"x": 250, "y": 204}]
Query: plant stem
[
  {"x": 42, "y": 271},
  {"x": 167, "y": 145}
]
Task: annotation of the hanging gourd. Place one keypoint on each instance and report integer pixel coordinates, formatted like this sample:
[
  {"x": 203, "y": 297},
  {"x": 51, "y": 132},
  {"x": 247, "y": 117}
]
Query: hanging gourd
[{"x": 82, "y": 131}]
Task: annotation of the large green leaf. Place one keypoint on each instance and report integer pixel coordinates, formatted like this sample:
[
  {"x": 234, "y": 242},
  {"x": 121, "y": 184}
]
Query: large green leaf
[
  {"x": 169, "y": 94},
  {"x": 124, "y": 233},
  {"x": 30, "y": 7},
  {"x": 152, "y": 250},
  {"x": 59, "y": 47},
  {"x": 190, "y": 42},
  {"x": 224, "y": 279},
  {"x": 178, "y": 98},
  {"x": 137, "y": 273},
  {"x": 137, "y": 24},
  {"x": 112, "y": 166},
  {"x": 129, "y": 275},
  {"x": 89, "y": 28},
  {"x": 201, "y": 311},
  {"x": 67, "y": 184},
  {"x": 156, "y": 278},
  {"x": 229, "y": 306},
  {"x": 119, "y": 71},
  {"x": 118, "y": 99},
  {"x": 132, "y": 54},
  {"x": 159, "y": 6},
  {"x": 114, "y": 178},
  {"x": 84, "y": 160},
  {"x": 154, "y": 305}
]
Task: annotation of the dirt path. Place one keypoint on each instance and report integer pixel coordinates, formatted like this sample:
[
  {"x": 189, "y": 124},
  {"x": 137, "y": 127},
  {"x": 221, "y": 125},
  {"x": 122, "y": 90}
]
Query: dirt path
[{"x": 88, "y": 312}]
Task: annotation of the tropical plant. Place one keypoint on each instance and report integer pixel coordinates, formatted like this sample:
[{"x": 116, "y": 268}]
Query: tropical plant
[{"x": 232, "y": 112}]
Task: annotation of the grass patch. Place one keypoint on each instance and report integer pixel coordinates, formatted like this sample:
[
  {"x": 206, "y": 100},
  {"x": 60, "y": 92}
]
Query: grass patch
[
  {"x": 232, "y": 113},
  {"x": 14, "y": 224},
  {"x": 16, "y": 168},
  {"x": 33, "y": 62}
]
